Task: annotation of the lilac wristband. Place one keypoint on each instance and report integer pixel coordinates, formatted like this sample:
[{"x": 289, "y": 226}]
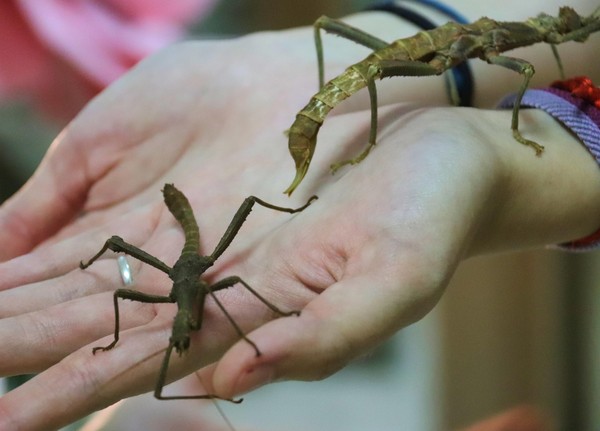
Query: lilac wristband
[{"x": 579, "y": 116}]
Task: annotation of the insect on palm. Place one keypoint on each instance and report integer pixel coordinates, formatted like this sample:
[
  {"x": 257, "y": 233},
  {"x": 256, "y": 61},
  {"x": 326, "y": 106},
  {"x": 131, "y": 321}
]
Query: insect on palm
[{"x": 189, "y": 290}]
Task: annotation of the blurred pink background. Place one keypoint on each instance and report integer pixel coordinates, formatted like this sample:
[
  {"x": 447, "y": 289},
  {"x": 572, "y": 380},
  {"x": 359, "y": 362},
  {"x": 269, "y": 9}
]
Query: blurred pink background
[{"x": 57, "y": 54}]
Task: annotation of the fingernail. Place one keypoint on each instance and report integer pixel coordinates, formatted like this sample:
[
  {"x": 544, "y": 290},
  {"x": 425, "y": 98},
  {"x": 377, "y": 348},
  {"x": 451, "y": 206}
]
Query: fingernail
[{"x": 253, "y": 379}]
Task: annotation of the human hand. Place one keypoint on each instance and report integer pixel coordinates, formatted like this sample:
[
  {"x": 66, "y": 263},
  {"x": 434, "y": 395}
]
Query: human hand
[
  {"x": 449, "y": 184},
  {"x": 400, "y": 221},
  {"x": 103, "y": 176},
  {"x": 429, "y": 190}
]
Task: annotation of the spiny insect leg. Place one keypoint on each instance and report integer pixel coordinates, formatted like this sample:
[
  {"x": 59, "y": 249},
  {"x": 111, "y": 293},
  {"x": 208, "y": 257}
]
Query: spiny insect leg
[
  {"x": 384, "y": 69},
  {"x": 240, "y": 217},
  {"x": 233, "y": 322},
  {"x": 372, "y": 131},
  {"x": 162, "y": 378},
  {"x": 233, "y": 280},
  {"x": 526, "y": 69},
  {"x": 132, "y": 295},
  {"x": 344, "y": 30},
  {"x": 582, "y": 33},
  {"x": 117, "y": 244}
]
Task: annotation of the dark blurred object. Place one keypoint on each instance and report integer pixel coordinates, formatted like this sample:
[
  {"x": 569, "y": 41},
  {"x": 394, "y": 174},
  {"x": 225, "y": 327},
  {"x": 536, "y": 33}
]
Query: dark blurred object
[{"x": 241, "y": 17}]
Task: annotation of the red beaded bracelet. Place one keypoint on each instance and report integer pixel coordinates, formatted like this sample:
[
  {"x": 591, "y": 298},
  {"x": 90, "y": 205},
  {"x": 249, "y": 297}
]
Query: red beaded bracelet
[{"x": 581, "y": 87}]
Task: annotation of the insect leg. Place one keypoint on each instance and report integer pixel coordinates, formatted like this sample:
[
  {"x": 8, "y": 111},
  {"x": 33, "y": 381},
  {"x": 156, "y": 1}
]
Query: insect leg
[
  {"x": 373, "y": 71},
  {"x": 162, "y": 378},
  {"x": 383, "y": 69},
  {"x": 340, "y": 28},
  {"x": 233, "y": 280},
  {"x": 233, "y": 322},
  {"x": 132, "y": 295},
  {"x": 240, "y": 217},
  {"x": 526, "y": 69},
  {"x": 116, "y": 244},
  {"x": 561, "y": 69},
  {"x": 581, "y": 34}
]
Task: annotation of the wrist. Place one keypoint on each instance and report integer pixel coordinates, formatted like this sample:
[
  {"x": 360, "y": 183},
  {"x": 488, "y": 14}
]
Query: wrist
[{"x": 542, "y": 200}]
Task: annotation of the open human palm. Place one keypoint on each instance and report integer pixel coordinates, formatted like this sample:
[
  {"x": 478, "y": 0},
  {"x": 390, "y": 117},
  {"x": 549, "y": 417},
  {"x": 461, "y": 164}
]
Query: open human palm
[{"x": 372, "y": 255}]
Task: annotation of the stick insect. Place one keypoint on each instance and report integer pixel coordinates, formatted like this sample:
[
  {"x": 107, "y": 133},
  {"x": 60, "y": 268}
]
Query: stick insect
[
  {"x": 430, "y": 52},
  {"x": 189, "y": 291}
]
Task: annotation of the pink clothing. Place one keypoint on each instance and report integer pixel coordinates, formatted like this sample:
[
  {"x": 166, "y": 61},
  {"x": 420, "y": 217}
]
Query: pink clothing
[{"x": 62, "y": 52}]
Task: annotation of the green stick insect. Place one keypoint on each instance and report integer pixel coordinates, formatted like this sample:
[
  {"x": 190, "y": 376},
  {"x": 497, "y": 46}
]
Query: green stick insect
[
  {"x": 189, "y": 291},
  {"x": 430, "y": 52}
]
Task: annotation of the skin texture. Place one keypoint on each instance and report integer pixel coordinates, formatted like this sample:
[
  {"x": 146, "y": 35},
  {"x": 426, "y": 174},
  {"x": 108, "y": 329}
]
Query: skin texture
[{"x": 451, "y": 183}]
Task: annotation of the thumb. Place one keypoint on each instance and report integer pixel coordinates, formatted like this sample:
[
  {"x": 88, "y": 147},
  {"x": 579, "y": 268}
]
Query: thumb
[{"x": 347, "y": 320}]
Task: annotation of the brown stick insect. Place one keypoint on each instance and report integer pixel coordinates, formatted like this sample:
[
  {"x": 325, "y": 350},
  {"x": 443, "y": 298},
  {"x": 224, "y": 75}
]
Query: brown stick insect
[
  {"x": 430, "y": 52},
  {"x": 189, "y": 289}
]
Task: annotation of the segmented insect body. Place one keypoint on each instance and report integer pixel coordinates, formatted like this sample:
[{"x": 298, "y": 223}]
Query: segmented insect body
[
  {"x": 190, "y": 301},
  {"x": 189, "y": 290},
  {"x": 181, "y": 209},
  {"x": 430, "y": 52}
]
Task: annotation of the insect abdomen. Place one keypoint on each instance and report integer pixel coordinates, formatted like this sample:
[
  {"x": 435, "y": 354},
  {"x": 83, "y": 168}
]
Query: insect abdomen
[
  {"x": 332, "y": 93},
  {"x": 304, "y": 130},
  {"x": 181, "y": 209}
]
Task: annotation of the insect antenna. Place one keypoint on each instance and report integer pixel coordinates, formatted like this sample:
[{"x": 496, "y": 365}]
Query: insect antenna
[
  {"x": 131, "y": 367},
  {"x": 215, "y": 403},
  {"x": 218, "y": 408}
]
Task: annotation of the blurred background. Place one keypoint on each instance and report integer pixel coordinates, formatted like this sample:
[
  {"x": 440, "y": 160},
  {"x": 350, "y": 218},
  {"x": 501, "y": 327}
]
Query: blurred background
[{"x": 514, "y": 329}]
